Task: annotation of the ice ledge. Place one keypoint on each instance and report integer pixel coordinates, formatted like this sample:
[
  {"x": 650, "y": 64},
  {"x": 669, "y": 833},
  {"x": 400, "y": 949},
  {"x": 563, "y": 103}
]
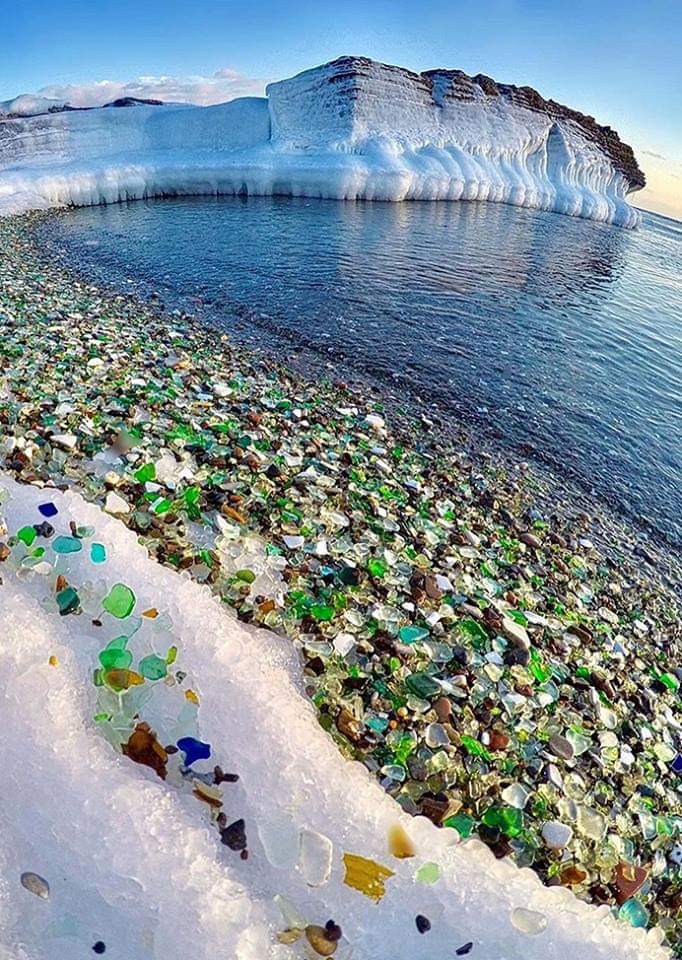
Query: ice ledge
[{"x": 349, "y": 130}]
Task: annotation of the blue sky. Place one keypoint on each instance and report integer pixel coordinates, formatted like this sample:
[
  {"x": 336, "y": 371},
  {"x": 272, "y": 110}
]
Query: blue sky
[{"x": 619, "y": 60}]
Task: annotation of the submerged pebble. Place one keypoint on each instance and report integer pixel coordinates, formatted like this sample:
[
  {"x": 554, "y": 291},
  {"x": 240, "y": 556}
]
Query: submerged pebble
[{"x": 323, "y": 940}]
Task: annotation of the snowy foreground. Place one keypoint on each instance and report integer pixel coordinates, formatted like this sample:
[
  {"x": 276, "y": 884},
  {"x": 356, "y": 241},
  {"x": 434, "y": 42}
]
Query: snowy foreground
[
  {"x": 134, "y": 862},
  {"x": 349, "y": 130}
]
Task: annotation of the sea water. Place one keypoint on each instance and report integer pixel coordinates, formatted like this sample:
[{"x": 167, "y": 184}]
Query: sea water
[{"x": 559, "y": 338}]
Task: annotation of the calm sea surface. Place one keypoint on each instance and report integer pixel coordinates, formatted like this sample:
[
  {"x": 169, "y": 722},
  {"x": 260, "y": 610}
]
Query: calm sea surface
[{"x": 561, "y": 337}]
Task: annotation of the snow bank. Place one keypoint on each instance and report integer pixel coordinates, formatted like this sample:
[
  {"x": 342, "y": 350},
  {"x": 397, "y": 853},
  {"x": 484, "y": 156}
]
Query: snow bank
[
  {"x": 132, "y": 861},
  {"x": 349, "y": 130}
]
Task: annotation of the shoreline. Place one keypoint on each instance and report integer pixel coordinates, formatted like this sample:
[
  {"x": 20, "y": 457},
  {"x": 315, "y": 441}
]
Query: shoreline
[
  {"x": 619, "y": 531},
  {"x": 441, "y": 599}
]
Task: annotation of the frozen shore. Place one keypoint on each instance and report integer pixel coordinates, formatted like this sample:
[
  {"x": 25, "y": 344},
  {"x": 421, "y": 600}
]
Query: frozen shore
[
  {"x": 348, "y": 130},
  {"x": 132, "y": 861}
]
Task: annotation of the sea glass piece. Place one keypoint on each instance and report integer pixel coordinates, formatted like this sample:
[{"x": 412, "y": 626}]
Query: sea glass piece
[
  {"x": 628, "y": 878},
  {"x": 27, "y": 535},
  {"x": 367, "y": 876},
  {"x": 120, "y": 680},
  {"x": 67, "y": 601},
  {"x": 394, "y": 771},
  {"x": 474, "y": 747},
  {"x": 422, "y": 685},
  {"x": 591, "y": 822},
  {"x": 462, "y": 823},
  {"x": 120, "y": 601},
  {"x": 634, "y": 913},
  {"x": 515, "y": 795},
  {"x": 528, "y": 921},
  {"x": 412, "y": 634},
  {"x": 98, "y": 553},
  {"x": 234, "y": 835},
  {"x": 146, "y": 473},
  {"x": 474, "y": 632},
  {"x": 193, "y": 750},
  {"x": 280, "y": 839},
  {"x": 67, "y": 545},
  {"x": 322, "y": 612},
  {"x": 428, "y": 872},
  {"x": 400, "y": 844},
  {"x": 209, "y": 793},
  {"x": 48, "y": 509},
  {"x": 153, "y": 667},
  {"x": 315, "y": 857},
  {"x": 143, "y": 747},
  {"x": 436, "y": 736},
  {"x": 507, "y": 819},
  {"x": 115, "y": 658}
]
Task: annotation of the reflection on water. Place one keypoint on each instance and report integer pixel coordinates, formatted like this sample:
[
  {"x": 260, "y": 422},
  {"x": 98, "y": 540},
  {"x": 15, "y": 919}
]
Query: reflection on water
[{"x": 563, "y": 336}]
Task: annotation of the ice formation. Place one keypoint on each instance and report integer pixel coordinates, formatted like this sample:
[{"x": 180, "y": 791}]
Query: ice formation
[
  {"x": 352, "y": 129},
  {"x": 130, "y": 860}
]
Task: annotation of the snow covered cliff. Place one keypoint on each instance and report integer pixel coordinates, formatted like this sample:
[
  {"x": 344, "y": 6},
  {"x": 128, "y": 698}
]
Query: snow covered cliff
[{"x": 351, "y": 129}]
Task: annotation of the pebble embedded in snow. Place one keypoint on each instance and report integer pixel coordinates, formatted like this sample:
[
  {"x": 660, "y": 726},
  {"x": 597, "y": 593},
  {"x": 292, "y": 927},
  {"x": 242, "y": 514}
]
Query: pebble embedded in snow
[
  {"x": 36, "y": 884},
  {"x": 528, "y": 921},
  {"x": 315, "y": 857}
]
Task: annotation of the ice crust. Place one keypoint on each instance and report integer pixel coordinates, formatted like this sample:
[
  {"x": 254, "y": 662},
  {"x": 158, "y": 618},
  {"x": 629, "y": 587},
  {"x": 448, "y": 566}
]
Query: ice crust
[
  {"x": 132, "y": 861},
  {"x": 383, "y": 137}
]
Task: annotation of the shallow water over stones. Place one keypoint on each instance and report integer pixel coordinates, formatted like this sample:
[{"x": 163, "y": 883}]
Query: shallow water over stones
[{"x": 560, "y": 338}]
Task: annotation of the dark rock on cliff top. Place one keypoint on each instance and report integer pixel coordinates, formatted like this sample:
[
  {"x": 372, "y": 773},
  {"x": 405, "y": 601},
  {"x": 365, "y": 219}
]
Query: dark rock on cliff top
[{"x": 134, "y": 102}]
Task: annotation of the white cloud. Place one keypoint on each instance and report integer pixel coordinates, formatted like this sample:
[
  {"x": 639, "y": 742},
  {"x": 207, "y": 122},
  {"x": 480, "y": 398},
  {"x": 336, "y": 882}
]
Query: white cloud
[{"x": 224, "y": 84}]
